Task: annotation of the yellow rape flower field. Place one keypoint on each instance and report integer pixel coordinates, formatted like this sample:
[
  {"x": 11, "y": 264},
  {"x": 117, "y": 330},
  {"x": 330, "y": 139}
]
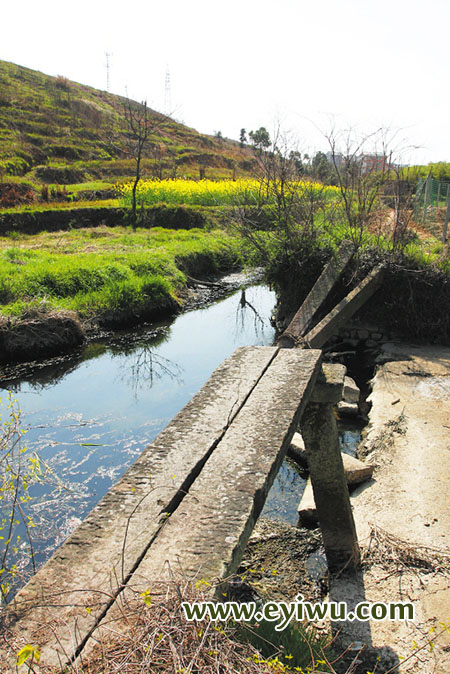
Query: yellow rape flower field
[{"x": 204, "y": 192}]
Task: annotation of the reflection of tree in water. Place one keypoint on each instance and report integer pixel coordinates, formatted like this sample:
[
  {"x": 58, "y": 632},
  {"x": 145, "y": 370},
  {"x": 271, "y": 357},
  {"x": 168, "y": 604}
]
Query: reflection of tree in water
[
  {"x": 146, "y": 366},
  {"x": 244, "y": 309},
  {"x": 46, "y": 373},
  {"x": 40, "y": 374}
]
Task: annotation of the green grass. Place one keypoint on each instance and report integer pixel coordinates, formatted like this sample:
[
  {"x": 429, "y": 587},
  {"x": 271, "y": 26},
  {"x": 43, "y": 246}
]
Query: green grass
[
  {"x": 93, "y": 185},
  {"x": 62, "y": 206},
  {"x": 99, "y": 271}
]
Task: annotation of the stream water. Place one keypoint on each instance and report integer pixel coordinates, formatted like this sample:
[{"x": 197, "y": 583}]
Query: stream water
[{"x": 91, "y": 414}]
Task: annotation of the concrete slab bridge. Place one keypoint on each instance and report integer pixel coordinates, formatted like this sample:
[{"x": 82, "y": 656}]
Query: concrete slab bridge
[{"x": 188, "y": 505}]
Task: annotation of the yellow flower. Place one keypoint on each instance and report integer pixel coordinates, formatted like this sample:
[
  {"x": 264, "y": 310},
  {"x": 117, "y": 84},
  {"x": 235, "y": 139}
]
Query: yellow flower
[{"x": 146, "y": 597}]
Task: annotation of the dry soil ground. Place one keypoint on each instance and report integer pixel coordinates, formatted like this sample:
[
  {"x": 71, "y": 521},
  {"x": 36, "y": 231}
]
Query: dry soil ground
[{"x": 402, "y": 517}]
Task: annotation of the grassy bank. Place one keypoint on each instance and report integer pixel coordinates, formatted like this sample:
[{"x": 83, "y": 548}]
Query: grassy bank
[
  {"x": 412, "y": 302},
  {"x": 110, "y": 274},
  {"x": 31, "y": 220},
  {"x": 113, "y": 276}
]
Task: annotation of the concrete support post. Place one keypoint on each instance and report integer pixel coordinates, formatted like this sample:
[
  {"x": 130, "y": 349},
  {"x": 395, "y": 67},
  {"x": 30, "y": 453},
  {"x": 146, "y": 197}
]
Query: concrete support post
[{"x": 319, "y": 431}]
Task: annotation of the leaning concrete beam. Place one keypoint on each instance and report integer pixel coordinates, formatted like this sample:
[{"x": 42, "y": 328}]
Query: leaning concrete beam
[
  {"x": 307, "y": 511},
  {"x": 352, "y": 392},
  {"x": 356, "y": 471},
  {"x": 65, "y": 599},
  {"x": 297, "y": 451},
  {"x": 316, "y": 297},
  {"x": 347, "y": 409},
  {"x": 317, "y": 337}
]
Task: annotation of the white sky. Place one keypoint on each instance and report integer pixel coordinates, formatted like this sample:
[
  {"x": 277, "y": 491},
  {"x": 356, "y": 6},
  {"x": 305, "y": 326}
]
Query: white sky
[{"x": 252, "y": 63}]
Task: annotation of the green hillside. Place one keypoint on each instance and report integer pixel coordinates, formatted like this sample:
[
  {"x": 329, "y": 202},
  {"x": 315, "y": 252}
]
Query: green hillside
[{"x": 53, "y": 130}]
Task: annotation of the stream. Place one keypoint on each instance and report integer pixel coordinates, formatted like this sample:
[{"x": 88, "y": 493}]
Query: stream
[{"x": 89, "y": 415}]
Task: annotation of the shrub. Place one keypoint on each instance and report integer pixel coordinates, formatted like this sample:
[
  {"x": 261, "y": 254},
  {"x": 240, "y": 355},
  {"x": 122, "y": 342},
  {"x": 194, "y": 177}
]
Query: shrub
[
  {"x": 66, "y": 151},
  {"x": 15, "y": 194},
  {"x": 62, "y": 82},
  {"x": 44, "y": 193},
  {"x": 15, "y": 166},
  {"x": 58, "y": 193},
  {"x": 64, "y": 175}
]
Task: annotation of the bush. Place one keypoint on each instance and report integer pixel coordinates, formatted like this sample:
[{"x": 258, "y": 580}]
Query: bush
[
  {"x": 174, "y": 218},
  {"x": 63, "y": 83},
  {"x": 15, "y": 194},
  {"x": 66, "y": 151},
  {"x": 15, "y": 166},
  {"x": 64, "y": 175}
]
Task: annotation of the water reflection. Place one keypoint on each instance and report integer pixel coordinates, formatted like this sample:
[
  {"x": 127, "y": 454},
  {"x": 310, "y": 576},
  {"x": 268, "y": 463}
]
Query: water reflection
[
  {"x": 41, "y": 374},
  {"x": 144, "y": 364},
  {"x": 90, "y": 414},
  {"x": 245, "y": 311},
  {"x": 285, "y": 493},
  {"x": 147, "y": 366}
]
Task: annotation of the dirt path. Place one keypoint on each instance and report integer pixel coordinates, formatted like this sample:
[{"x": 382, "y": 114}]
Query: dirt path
[
  {"x": 403, "y": 515},
  {"x": 386, "y": 227}
]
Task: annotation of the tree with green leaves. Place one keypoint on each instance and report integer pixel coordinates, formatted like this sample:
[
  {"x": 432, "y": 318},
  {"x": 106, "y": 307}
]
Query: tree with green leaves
[
  {"x": 260, "y": 139},
  {"x": 322, "y": 170}
]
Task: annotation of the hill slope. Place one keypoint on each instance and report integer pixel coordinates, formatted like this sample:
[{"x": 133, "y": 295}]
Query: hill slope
[{"x": 53, "y": 130}]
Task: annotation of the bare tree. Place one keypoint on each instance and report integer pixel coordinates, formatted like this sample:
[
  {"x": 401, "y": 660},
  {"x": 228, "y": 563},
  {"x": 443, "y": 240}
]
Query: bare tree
[
  {"x": 138, "y": 128},
  {"x": 401, "y": 196},
  {"x": 141, "y": 124}
]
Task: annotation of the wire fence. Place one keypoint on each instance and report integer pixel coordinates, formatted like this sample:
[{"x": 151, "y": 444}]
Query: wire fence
[{"x": 432, "y": 206}]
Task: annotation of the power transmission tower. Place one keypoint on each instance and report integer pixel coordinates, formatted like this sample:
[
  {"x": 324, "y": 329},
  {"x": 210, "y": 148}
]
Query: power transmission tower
[
  {"x": 108, "y": 69},
  {"x": 167, "y": 97}
]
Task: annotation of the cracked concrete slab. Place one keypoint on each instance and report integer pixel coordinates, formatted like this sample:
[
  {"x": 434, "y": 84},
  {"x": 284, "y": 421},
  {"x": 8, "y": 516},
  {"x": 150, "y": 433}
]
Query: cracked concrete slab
[{"x": 61, "y": 604}]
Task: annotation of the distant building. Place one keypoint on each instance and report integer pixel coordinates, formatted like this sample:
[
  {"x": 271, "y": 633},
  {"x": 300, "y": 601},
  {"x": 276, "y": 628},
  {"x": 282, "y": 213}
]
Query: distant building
[
  {"x": 373, "y": 162},
  {"x": 338, "y": 159},
  {"x": 368, "y": 163}
]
